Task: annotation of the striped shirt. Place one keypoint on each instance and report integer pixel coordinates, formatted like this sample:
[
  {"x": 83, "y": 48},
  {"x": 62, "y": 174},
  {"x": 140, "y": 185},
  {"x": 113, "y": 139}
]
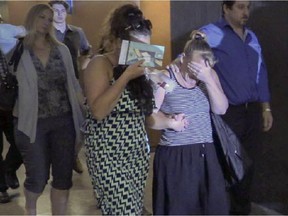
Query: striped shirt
[{"x": 194, "y": 103}]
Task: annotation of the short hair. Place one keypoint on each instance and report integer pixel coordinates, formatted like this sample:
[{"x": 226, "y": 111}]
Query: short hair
[
  {"x": 228, "y": 4},
  {"x": 62, "y": 2}
]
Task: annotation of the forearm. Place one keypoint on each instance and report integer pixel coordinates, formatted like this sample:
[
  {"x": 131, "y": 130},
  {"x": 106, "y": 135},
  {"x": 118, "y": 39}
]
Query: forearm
[
  {"x": 158, "y": 121},
  {"x": 218, "y": 100}
]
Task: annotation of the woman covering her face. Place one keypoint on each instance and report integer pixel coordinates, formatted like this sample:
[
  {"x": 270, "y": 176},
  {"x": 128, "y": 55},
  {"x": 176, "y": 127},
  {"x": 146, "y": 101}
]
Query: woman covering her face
[
  {"x": 188, "y": 179},
  {"x": 118, "y": 98}
]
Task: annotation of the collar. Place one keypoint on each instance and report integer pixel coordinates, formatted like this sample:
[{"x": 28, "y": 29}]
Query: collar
[
  {"x": 222, "y": 23},
  {"x": 68, "y": 28}
]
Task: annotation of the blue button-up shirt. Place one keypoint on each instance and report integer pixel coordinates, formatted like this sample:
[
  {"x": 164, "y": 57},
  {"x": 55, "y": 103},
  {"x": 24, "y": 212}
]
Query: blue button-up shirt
[{"x": 240, "y": 66}]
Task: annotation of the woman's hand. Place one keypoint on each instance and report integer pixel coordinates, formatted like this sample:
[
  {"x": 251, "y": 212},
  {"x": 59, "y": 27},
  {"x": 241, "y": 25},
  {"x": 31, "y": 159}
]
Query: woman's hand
[
  {"x": 176, "y": 64},
  {"x": 178, "y": 122},
  {"x": 202, "y": 72},
  {"x": 133, "y": 71}
]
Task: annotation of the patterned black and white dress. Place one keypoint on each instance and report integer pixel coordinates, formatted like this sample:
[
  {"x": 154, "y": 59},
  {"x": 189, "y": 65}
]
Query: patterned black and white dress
[{"x": 117, "y": 154}]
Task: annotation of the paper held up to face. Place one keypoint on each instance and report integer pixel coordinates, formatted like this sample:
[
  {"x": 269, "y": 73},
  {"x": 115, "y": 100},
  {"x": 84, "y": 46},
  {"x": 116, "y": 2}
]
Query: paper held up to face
[
  {"x": 159, "y": 79},
  {"x": 132, "y": 52}
]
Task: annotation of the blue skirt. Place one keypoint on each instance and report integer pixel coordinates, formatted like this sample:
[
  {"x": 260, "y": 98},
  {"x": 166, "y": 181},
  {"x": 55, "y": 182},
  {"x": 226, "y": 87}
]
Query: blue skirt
[{"x": 188, "y": 180}]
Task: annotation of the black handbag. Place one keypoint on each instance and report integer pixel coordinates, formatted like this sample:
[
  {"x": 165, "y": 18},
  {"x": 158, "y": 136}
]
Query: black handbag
[
  {"x": 233, "y": 158},
  {"x": 8, "y": 81}
]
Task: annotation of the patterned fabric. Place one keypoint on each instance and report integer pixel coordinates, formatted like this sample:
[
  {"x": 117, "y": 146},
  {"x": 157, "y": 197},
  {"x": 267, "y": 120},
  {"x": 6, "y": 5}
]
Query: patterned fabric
[
  {"x": 52, "y": 85},
  {"x": 194, "y": 103},
  {"x": 117, "y": 154}
]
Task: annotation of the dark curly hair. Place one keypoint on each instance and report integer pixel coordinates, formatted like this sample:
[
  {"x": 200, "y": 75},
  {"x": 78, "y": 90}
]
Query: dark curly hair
[
  {"x": 140, "y": 89},
  {"x": 125, "y": 21}
]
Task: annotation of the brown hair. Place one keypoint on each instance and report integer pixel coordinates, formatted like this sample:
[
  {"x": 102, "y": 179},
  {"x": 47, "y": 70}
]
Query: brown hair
[
  {"x": 64, "y": 3},
  {"x": 121, "y": 24}
]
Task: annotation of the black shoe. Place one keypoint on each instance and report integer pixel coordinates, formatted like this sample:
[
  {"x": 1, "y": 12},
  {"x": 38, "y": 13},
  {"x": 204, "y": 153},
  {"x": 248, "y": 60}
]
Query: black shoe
[
  {"x": 12, "y": 180},
  {"x": 4, "y": 197}
]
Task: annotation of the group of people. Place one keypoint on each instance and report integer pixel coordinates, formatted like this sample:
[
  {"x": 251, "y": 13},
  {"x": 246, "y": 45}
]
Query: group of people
[{"x": 120, "y": 103}]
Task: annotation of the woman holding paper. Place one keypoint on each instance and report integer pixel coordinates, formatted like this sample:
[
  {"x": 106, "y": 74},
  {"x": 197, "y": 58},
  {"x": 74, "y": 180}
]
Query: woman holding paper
[{"x": 118, "y": 100}]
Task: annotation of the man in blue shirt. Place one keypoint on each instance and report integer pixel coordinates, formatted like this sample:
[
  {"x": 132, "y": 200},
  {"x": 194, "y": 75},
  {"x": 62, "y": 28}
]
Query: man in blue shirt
[
  {"x": 74, "y": 38},
  {"x": 243, "y": 76}
]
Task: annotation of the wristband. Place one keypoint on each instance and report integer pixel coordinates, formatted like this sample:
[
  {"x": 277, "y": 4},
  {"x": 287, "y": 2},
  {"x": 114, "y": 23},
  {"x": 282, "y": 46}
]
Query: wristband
[{"x": 267, "y": 110}]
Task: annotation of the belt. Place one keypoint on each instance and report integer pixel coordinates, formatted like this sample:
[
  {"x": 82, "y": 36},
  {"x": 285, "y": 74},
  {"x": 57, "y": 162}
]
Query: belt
[{"x": 245, "y": 105}]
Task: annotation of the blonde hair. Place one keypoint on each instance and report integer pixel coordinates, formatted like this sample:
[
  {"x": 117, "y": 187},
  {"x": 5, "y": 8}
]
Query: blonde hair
[
  {"x": 198, "y": 43},
  {"x": 30, "y": 26}
]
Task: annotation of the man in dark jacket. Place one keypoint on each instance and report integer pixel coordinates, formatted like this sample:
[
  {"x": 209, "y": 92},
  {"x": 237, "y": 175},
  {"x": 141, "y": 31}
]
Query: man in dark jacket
[{"x": 74, "y": 38}]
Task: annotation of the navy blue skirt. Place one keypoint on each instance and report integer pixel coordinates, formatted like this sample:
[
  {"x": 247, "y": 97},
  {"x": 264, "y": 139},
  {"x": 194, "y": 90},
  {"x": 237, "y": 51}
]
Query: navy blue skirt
[{"x": 188, "y": 180}]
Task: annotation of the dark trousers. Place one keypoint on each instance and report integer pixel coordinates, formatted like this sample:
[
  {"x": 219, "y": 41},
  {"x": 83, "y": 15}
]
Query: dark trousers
[
  {"x": 13, "y": 159},
  {"x": 245, "y": 120},
  {"x": 53, "y": 148}
]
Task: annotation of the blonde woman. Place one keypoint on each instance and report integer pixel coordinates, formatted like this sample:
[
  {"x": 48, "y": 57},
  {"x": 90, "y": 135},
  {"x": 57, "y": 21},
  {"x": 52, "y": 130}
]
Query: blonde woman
[
  {"x": 188, "y": 179},
  {"x": 47, "y": 112}
]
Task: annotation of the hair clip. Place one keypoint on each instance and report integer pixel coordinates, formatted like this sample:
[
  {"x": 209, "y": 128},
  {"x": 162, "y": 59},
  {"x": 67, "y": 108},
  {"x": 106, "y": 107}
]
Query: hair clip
[
  {"x": 198, "y": 36},
  {"x": 140, "y": 24}
]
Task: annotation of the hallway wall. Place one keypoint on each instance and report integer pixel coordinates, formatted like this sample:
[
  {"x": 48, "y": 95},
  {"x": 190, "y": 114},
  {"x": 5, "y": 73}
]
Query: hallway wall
[{"x": 90, "y": 15}]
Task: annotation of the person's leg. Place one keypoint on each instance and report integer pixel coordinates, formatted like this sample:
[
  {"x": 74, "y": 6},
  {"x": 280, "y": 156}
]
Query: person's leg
[
  {"x": 245, "y": 122},
  {"x": 13, "y": 158},
  {"x": 37, "y": 162},
  {"x": 31, "y": 202},
  {"x": 4, "y": 197},
  {"x": 62, "y": 140},
  {"x": 77, "y": 165},
  {"x": 214, "y": 186},
  {"x": 3, "y": 186},
  {"x": 59, "y": 201}
]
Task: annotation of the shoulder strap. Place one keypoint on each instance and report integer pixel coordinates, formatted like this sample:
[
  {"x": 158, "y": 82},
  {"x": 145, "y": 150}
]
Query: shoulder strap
[
  {"x": 17, "y": 54},
  {"x": 106, "y": 57}
]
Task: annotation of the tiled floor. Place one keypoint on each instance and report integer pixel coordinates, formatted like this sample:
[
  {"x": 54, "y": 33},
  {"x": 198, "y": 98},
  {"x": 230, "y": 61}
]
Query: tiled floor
[{"x": 81, "y": 200}]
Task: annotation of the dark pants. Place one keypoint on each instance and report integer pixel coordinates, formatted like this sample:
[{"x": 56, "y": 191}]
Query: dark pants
[
  {"x": 13, "y": 158},
  {"x": 54, "y": 147},
  {"x": 245, "y": 121}
]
